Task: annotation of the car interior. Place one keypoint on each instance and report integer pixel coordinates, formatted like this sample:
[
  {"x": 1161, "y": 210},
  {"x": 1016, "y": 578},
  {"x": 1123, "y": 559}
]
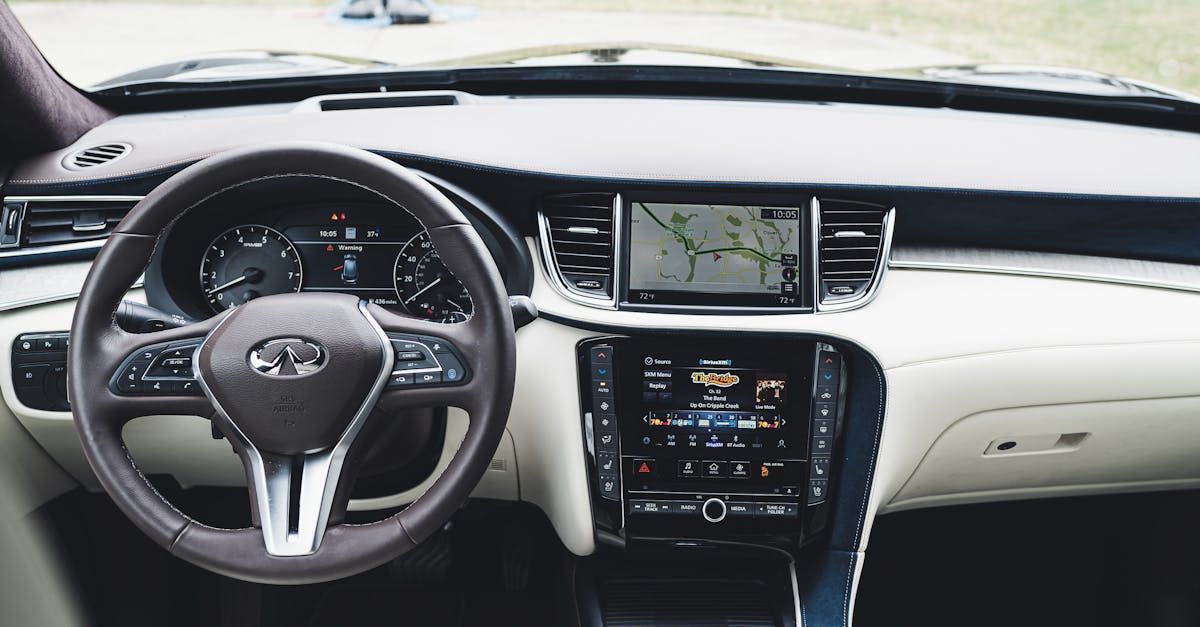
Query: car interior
[{"x": 595, "y": 346}]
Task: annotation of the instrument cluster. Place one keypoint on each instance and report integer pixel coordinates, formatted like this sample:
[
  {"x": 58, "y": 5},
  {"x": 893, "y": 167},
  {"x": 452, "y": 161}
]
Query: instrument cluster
[{"x": 380, "y": 253}]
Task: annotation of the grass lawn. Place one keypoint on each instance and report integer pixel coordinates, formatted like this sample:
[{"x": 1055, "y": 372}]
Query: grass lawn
[{"x": 1154, "y": 40}]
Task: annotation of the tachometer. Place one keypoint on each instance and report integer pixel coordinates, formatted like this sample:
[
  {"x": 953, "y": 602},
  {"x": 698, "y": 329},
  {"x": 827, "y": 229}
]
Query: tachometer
[
  {"x": 246, "y": 262},
  {"x": 425, "y": 287}
]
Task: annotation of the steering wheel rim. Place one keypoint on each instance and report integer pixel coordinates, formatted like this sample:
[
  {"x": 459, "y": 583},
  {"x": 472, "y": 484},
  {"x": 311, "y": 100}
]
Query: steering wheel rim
[{"x": 98, "y": 347}]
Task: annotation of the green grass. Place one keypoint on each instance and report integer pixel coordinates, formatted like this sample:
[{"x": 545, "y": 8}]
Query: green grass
[{"x": 1153, "y": 40}]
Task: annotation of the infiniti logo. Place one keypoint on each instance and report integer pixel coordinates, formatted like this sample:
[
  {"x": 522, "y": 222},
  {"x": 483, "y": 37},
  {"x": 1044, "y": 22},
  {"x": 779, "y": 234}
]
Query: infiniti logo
[{"x": 287, "y": 357}]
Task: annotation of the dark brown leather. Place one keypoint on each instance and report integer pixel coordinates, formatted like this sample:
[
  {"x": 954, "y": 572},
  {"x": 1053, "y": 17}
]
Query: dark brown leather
[
  {"x": 298, "y": 413},
  {"x": 486, "y": 342}
]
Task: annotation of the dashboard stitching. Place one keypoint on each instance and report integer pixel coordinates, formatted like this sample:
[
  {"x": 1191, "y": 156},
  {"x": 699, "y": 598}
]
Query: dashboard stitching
[
  {"x": 849, "y": 576},
  {"x": 830, "y": 185},
  {"x": 871, "y": 465}
]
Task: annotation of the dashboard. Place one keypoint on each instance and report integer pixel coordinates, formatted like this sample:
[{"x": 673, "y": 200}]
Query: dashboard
[{"x": 688, "y": 301}]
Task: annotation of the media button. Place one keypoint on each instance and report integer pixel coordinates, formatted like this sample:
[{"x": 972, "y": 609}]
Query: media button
[
  {"x": 714, "y": 469},
  {"x": 741, "y": 510},
  {"x": 688, "y": 468},
  {"x": 739, "y": 470}
]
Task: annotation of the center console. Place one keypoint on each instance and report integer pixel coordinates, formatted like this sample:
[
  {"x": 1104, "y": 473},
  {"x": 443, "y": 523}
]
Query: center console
[{"x": 695, "y": 437}]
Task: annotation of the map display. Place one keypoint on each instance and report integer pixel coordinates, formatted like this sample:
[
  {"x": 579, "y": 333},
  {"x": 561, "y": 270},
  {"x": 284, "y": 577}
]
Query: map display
[{"x": 713, "y": 248}]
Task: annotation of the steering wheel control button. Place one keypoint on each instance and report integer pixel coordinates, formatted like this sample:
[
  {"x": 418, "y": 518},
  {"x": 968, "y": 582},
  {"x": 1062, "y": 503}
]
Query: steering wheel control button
[
  {"x": 423, "y": 360},
  {"x": 714, "y": 510}
]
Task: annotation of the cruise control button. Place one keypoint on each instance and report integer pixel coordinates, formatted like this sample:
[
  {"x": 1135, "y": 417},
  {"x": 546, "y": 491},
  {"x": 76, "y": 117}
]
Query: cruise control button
[{"x": 410, "y": 356}]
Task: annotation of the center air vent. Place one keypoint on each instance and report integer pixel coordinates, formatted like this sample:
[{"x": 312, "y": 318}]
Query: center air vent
[
  {"x": 577, "y": 231},
  {"x": 852, "y": 244},
  {"x": 96, "y": 156},
  {"x": 66, "y": 220}
]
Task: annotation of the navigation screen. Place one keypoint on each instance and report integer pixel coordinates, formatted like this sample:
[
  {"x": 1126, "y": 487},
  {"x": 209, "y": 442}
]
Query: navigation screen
[{"x": 715, "y": 254}]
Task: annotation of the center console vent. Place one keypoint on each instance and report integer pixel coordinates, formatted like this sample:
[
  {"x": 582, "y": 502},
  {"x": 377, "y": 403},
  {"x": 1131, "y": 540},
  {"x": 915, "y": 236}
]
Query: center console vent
[
  {"x": 578, "y": 243},
  {"x": 852, "y": 246},
  {"x": 56, "y": 220}
]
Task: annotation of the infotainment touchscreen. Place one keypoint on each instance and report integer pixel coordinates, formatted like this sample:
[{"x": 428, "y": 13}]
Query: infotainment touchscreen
[{"x": 725, "y": 255}]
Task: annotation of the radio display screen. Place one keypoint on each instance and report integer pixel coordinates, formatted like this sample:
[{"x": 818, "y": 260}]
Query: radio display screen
[
  {"x": 738, "y": 412},
  {"x": 732, "y": 255}
]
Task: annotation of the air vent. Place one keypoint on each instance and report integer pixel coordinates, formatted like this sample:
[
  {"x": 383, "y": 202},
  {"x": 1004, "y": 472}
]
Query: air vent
[
  {"x": 853, "y": 238},
  {"x": 577, "y": 230},
  {"x": 96, "y": 156},
  {"x": 66, "y": 220}
]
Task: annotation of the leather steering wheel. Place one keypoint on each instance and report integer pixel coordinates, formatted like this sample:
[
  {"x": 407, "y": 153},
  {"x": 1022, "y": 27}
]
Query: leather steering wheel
[{"x": 291, "y": 379}]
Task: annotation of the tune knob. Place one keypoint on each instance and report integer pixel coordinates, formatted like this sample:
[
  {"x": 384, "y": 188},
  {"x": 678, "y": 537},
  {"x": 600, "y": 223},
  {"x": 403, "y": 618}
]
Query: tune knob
[{"x": 713, "y": 510}]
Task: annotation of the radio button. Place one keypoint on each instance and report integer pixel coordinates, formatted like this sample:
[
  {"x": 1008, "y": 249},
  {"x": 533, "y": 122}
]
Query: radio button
[
  {"x": 685, "y": 507},
  {"x": 714, "y": 469},
  {"x": 688, "y": 468},
  {"x": 714, "y": 510}
]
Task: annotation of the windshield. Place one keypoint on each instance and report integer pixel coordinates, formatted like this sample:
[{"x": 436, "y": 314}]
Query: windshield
[{"x": 1130, "y": 47}]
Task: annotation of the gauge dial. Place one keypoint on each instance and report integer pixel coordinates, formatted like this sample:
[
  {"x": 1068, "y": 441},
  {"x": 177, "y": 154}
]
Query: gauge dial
[
  {"x": 246, "y": 262},
  {"x": 425, "y": 287}
]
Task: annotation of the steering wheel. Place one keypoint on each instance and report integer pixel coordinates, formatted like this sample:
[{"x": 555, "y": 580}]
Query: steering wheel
[{"x": 291, "y": 379}]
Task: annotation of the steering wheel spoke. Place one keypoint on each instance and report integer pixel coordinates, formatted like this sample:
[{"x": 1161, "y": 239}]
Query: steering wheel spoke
[{"x": 293, "y": 496}]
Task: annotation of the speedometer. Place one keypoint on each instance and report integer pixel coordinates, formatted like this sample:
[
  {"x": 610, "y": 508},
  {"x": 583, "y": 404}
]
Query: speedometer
[
  {"x": 246, "y": 262},
  {"x": 424, "y": 285}
]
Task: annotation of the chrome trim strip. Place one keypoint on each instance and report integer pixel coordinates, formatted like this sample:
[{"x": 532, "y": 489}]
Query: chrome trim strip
[
  {"x": 60, "y": 248},
  {"x": 796, "y": 594},
  {"x": 272, "y": 475},
  {"x": 1046, "y": 272},
  {"x": 551, "y": 264},
  {"x": 881, "y": 264}
]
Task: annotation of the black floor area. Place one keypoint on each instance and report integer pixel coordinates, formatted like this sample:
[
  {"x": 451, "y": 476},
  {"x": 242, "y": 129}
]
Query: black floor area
[
  {"x": 1111, "y": 560},
  {"x": 498, "y": 564}
]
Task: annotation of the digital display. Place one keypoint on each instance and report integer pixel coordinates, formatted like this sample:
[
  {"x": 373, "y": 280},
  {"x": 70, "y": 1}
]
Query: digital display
[
  {"x": 737, "y": 255},
  {"x": 715, "y": 416}
]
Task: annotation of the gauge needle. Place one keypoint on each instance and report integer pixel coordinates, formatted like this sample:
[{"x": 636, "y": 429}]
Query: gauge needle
[
  {"x": 226, "y": 285},
  {"x": 423, "y": 290},
  {"x": 456, "y": 305},
  {"x": 253, "y": 275}
]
